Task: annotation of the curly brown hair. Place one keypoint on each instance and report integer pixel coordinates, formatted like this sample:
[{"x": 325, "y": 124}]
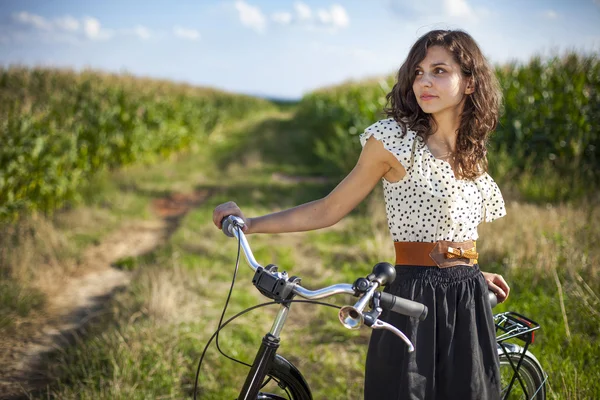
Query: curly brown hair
[{"x": 480, "y": 113}]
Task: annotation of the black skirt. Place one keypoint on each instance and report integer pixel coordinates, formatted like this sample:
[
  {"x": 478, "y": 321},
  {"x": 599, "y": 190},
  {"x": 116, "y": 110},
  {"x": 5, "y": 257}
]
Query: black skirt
[{"x": 455, "y": 347}]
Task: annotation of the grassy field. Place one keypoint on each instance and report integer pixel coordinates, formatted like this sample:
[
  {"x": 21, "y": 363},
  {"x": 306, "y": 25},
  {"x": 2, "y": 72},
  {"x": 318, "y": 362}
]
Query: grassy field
[{"x": 148, "y": 341}]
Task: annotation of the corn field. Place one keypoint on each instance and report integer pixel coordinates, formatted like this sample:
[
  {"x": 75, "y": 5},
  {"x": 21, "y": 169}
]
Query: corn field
[
  {"x": 59, "y": 128},
  {"x": 549, "y": 126}
]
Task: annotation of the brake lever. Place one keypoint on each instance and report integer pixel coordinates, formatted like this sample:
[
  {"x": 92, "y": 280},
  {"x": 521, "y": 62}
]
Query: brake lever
[{"x": 379, "y": 324}]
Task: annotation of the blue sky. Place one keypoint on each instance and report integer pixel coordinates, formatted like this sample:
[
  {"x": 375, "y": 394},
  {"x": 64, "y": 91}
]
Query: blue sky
[{"x": 278, "y": 48}]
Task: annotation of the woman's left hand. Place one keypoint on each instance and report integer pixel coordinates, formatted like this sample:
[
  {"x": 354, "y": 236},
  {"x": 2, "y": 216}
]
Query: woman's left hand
[{"x": 498, "y": 285}]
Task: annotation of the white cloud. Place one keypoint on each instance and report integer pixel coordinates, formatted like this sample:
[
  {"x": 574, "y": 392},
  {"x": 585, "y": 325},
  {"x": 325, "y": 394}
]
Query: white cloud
[
  {"x": 251, "y": 16},
  {"x": 450, "y": 11},
  {"x": 61, "y": 27},
  {"x": 324, "y": 19},
  {"x": 68, "y": 29},
  {"x": 339, "y": 17},
  {"x": 283, "y": 18},
  {"x": 142, "y": 32},
  {"x": 67, "y": 23},
  {"x": 185, "y": 33},
  {"x": 324, "y": 16},
  {"x": 303, "y": 11},
  {"x": 335, "y": 17},
  {"x": 93, "y": 29},
  {"x": 329, "y": 19},
  {"x": 550, "y": 14},
  {"x": 34, "y": 20},
  {"x": 458, "y": 8}
]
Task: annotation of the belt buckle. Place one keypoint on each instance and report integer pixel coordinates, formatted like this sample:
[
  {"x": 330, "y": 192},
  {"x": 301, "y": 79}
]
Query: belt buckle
[
  {"x": 445, "y": 255},
  {"x": 456, "y": 251}
]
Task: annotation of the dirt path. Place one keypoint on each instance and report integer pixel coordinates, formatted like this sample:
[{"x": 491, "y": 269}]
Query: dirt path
[{"x": 84, "y": 295}]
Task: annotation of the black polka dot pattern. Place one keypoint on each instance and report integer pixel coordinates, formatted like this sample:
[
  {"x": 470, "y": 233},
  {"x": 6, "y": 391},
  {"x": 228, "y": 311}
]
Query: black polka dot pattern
[{"x": 429, "y": 203}]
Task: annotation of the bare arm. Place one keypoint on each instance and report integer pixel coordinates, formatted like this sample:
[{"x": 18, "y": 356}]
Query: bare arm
[{"x": 374, "y": 162}]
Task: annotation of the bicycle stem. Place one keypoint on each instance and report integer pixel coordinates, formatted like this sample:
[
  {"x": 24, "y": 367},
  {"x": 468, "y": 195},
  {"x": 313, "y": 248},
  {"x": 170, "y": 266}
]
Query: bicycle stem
[{"x": 280, "y": 319}]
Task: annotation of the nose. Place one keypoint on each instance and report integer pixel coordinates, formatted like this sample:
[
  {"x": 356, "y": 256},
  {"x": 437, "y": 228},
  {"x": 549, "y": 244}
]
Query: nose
[{"x": 425, "y": 80}]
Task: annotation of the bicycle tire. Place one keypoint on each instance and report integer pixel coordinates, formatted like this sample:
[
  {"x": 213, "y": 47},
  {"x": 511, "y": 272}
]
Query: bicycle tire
[
  {"x": 289, "y": 379},
  {"x": 531, "y": 373}
]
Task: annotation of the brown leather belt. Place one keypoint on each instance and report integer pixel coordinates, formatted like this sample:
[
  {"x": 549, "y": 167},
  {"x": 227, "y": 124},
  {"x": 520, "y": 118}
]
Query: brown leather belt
[{"x": 442, "y": 254}]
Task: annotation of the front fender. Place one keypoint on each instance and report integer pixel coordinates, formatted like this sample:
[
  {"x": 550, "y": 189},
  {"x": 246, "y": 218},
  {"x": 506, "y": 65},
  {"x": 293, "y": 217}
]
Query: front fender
[{"x": 281, "y": 364}]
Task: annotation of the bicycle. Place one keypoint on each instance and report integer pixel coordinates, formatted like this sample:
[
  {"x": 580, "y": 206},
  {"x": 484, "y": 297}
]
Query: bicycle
[{"x": 278, "y": 286}]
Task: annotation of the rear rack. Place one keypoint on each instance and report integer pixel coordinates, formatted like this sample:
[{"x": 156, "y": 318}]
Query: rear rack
[{"x": 514, "y": 325}]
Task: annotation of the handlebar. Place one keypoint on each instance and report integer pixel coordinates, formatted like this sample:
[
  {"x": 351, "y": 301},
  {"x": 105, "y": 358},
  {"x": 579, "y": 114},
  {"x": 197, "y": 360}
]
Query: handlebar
[
  {"x": 267, "y": 278},
  {"x": 228, "y": 227}
]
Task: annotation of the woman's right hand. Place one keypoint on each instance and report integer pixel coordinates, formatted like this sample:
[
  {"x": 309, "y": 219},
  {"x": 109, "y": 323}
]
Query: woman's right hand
[{"x": 227, "y": 209}]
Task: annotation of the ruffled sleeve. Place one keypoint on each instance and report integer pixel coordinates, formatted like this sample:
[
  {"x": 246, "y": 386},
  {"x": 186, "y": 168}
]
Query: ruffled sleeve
[
  {"x": 389, "y": 133},
  {"x": 493, "y": 202}
]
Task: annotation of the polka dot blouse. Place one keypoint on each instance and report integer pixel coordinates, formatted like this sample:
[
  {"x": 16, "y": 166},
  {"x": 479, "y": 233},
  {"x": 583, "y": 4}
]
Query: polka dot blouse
[{"x": 429, "y": 203}]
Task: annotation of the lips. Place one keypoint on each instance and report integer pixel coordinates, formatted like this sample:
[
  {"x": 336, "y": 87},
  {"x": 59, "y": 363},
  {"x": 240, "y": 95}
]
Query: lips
[{"x": 427, "y": 97}]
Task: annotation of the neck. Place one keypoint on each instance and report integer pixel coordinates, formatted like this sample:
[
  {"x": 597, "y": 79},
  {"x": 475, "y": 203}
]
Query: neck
[{"x": 446, "y": 129}]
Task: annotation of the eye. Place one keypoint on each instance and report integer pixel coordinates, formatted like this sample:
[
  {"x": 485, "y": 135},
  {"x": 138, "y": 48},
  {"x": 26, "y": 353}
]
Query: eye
[
  {"x": 439, "y": 70},
  {"x": 418, "y": 72}
]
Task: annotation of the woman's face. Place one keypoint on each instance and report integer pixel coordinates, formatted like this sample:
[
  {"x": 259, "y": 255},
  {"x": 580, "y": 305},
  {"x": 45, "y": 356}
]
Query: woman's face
[{"x": 439, "y": 85}]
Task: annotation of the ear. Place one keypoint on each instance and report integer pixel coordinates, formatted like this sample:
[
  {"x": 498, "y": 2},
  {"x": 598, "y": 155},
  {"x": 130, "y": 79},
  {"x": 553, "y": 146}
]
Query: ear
[{"x": 470, "y": 88}]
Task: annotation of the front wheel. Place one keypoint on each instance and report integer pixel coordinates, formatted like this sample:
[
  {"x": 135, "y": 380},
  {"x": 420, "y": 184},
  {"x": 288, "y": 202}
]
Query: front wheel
[
  {"x": 286, "y": 380},
  {"x": 532, "y": 382}
]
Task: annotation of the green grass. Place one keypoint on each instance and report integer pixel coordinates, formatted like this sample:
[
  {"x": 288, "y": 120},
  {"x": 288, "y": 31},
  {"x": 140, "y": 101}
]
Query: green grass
[
  {"x": 569, "y": 361},
  {"x": 17, "y": 301}
]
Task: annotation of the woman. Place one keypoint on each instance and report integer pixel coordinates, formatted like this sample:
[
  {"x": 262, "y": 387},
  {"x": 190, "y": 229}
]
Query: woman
[{"x": 431, "y": 156}]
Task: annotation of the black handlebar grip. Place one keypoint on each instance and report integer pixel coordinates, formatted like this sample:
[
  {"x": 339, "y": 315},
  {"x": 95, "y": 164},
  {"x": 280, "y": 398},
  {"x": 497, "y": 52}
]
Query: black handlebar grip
[{"x": 403, "y": 306}]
